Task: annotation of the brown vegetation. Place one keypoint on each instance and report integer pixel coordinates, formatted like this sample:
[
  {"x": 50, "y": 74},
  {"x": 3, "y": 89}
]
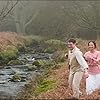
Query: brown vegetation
[
  {"x": 62, "y": 91},
  {"x": 11, "y": 39}
]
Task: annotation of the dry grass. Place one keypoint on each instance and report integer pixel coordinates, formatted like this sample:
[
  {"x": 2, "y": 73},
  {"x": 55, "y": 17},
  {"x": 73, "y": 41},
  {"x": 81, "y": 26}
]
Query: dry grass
[
  {"x": 12, "y": 39},
  {"x": 62, "y": 91}
]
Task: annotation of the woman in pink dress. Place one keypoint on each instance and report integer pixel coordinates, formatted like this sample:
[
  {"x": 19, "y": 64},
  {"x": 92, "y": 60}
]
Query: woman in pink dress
[{"x": 93, "y": 59}]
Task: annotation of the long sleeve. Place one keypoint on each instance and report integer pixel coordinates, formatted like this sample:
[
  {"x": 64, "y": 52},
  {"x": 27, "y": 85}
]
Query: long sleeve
[
  {"x": 93, "y": 62},
  {"x": 98, "y": 57},
  {"x": 81, "y": 60},
  {"x": 92, "y": 59}
]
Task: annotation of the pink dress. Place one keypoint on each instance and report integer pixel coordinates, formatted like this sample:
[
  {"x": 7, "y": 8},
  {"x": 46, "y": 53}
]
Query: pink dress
[{"x": 93, "y": 81}]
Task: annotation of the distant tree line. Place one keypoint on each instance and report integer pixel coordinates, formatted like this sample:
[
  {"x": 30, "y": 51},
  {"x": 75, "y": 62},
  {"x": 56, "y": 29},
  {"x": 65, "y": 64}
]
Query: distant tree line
[{"x": 52, "y": 18}]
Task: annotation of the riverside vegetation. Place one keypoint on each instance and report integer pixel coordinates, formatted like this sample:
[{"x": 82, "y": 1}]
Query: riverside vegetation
[
  {"x": 52, "y": 82},
  {"x": 12, "y": 45},
  {"x": 42, "y": 82}
]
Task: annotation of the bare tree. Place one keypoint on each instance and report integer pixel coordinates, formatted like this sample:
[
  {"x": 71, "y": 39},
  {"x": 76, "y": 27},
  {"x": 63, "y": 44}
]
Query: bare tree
[
  {"x": 23, "y": 15},
  {"x": 86, "y": 16},
  {"x": 6, "y": 9}
]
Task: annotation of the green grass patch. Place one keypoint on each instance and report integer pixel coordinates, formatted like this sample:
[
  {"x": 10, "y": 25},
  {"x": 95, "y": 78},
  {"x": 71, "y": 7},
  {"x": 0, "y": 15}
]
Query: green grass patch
[{"x": 44, "y": 86}]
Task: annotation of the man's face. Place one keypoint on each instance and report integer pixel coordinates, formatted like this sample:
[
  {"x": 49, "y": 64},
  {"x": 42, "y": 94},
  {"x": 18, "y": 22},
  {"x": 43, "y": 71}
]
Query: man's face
[{"x": 71, "y": 45}]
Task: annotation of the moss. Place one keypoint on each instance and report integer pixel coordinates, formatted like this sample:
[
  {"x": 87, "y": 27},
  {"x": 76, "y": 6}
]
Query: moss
[
  {"x": 36, "y": 63},
  {"x": 16, "y": 78},
  {"x": 44, "y": 86}
]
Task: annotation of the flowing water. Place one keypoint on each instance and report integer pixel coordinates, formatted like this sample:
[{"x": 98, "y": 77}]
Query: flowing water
[{"x": 10, "y": 89}]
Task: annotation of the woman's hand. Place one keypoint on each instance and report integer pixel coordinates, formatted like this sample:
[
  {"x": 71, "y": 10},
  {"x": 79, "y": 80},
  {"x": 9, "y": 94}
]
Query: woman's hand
[
  {"x": 89, "y": 57},
  {"x": 86, "y": 75}
]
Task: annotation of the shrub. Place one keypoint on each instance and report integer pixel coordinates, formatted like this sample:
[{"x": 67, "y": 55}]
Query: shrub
[
  {"x": 7, "y": 55},
  {"x": 58, "y": 56},
  {"x": 54, "y": 45}
]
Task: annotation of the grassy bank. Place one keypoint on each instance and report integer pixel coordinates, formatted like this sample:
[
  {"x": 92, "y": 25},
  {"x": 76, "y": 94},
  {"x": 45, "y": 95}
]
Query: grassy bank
[
  {"x": 52, "y": 83},
  {"x": 10, "y": 45},
  {"x": 41, "y": 84}
]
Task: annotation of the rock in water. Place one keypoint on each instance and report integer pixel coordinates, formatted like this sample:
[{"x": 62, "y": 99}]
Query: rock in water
[{"x": 2, "y": 82}]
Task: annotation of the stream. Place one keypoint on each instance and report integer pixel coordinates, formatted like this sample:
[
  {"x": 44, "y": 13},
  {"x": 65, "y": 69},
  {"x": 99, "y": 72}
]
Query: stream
[{"x": 10, "y": 89}]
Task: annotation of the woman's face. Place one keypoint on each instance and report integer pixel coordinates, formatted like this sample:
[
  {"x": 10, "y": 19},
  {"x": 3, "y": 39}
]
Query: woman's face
[{"x": 91, "y": 46}]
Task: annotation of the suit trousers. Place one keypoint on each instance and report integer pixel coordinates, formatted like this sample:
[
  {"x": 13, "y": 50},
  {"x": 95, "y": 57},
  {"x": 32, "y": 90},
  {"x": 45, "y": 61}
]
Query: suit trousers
[{"x": 74, "y": 82}]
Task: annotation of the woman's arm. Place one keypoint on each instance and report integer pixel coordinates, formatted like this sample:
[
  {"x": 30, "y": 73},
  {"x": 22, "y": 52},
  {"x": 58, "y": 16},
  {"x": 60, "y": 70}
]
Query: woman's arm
[{"x": 97, "y": 59}]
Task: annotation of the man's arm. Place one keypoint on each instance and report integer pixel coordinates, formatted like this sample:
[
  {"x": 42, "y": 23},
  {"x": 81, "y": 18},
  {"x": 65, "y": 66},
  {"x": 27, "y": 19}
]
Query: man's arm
[
  {"x": 66, "y": 56},
  {"x": 81, "y": 60}
]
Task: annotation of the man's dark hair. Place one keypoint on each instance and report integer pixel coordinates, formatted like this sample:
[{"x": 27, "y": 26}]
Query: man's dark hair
[
  {"x": 93, "y": 43},
  {"x": 72, "y": 40}
]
